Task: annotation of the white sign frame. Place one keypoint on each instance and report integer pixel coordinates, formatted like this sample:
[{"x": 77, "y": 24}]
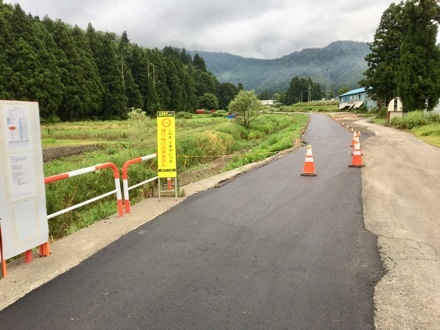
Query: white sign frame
[{"x": 23, "y": 215}]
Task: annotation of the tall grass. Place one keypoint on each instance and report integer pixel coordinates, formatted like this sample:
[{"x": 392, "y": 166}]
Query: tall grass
[
  {"x": 425, "y": 125},
  {"x": 429, "y": 130},
  {"x": 415, "y": 119},
  {"x": 281, "y": 137},
  {"x": 200, "y": 148}
]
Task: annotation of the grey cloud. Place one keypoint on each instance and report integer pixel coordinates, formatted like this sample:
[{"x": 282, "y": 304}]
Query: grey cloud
[{"x": 261, "y": 28}]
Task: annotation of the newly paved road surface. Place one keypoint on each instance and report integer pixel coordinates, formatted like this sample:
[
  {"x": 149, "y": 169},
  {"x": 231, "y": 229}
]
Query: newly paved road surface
[{"x": 269, "y": 250}]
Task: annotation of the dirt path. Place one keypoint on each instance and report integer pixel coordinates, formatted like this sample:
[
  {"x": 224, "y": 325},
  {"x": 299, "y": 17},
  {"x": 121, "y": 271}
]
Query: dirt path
[{"x": 401, "y": 192}]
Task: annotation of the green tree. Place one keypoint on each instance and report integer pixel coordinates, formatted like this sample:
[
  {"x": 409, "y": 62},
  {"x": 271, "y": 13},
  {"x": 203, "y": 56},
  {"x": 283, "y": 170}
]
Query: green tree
[
  {"x": 29, "y": 62},
  {"x": 315, "y": 90},
  {"x": 265, "y": 95},
  {"x": 185, "y": 58},
  {"x": 225, "y": 94},
  {"x": 140, "y": 119},
  {"x": 5, "y": 42},
  {"x": 79, "y": 74},
  {"x": 162, "y": 93},
  {"x": 124, "y": 43},
  {"x": 85, "y": 99},
  {"x": 277, "y": 98},
  {"x": 419, "y": 70},
  {"x": 48, "y": 88},
  {"x": 103, "y": 46},
  {"x": 188, "y": 75},
  {"x": 180, "y": 82},
  {"x": 302, "y": 90},
  {"x": 136, "y": 60},
  {"x": 384, "y": 58},
  {"x": 208, "y": 101},
  {"x": 246, "y": 105},
  {"x": 199, "y": 63},
  {"x": 174, "y": 84},
  {"x": 343, "y": 90},
  {"x": 404, "y": 60},
  {"x": 76, "y": 74},
  {"x": 134, "y": 97},
  {"x": 205, "y": 82}
]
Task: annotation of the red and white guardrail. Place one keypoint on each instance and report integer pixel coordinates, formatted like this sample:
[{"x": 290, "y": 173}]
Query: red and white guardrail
[
  {"x": 125, "y": 178},
  {"x": 44, "y": 248},
  {"x": 85, "y": 170}
]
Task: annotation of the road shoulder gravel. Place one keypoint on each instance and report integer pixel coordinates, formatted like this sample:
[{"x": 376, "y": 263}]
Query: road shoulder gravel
[{"x": 401, "y": 196}]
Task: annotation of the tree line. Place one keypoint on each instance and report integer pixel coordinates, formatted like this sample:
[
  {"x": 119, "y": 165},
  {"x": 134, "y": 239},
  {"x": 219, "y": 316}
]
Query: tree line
[
  {"x": 405, "y": 59},
  {"x": 77, "y": 75}
]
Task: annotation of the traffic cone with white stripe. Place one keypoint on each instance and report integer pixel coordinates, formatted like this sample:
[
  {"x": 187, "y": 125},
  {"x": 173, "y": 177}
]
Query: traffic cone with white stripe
[
  {"x": 357, "y": 140},
  {"x": 309, "y": 164},
  {"x": 353, "y": 141},
  {"x": 356, "y": 160}
]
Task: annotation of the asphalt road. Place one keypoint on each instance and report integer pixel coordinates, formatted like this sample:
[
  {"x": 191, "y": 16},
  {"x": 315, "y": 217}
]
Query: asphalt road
[{"x": 269, "y": 250}]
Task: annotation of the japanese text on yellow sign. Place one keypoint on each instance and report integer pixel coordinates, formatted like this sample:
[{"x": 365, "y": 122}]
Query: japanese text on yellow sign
[{"x": 166, "y": 144}]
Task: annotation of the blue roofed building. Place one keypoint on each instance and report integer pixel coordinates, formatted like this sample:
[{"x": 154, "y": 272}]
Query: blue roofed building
[{"x": 356, "y": 99}]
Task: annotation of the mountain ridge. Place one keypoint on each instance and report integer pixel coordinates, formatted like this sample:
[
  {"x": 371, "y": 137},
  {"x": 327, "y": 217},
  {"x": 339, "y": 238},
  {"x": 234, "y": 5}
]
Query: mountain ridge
[{"x": 341, "y": 63}]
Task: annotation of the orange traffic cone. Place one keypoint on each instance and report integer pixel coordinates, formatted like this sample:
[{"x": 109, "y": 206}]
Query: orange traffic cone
[
  {"x": 356, "y": 160},
  {"x": 309, "y": 165},
  {"x": 357, "y": 140},
  {"x": 354, "y": 139}
]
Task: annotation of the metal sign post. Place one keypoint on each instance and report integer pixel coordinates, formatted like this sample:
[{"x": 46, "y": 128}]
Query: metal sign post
[{"x": 166, "y": 150}]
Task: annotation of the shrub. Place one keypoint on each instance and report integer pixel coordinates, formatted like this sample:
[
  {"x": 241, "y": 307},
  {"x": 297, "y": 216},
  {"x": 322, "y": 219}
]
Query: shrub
[
  {"x": 415, "y": 119},
  {"x": 236, "y": 131},
  {"x": 263, "y": 128},
  {"x": 194, "y": 149},
  {"x": 433, "y": 117},
  {"x": 184, "y": 115},
  {"x": 220, "y": 113},
  {"x": 255, "y": 135},
  {"x": 429, "y": 130}
]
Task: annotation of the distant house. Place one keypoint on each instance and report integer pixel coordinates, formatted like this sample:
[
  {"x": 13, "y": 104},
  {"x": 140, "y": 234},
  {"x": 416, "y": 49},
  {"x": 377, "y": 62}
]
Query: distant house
[
  {"x": 355, "y": 99},
  {"x": 267, "y": 102}
]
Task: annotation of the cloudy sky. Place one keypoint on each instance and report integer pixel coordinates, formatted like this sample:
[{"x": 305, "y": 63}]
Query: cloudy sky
[{"x": 259, "y": 28}]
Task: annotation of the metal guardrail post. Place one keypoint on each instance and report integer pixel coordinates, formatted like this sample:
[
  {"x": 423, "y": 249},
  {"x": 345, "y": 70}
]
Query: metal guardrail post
[{"x": 125, "y": 185}]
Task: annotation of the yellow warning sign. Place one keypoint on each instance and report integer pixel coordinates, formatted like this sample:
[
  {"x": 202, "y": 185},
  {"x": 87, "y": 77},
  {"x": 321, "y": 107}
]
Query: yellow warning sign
[{"x": 166, "y": 144}]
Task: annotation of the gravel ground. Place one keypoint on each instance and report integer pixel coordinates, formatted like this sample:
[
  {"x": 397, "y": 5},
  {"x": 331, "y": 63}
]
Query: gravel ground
[{"x": 401, "y": 193}]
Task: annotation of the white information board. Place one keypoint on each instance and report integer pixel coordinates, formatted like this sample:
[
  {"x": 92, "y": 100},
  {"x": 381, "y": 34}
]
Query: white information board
[{"x": 23, "y": 216}]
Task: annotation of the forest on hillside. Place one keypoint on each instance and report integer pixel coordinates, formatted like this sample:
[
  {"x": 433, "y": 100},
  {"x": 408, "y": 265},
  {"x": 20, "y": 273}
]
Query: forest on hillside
[
  {"x": 340, "y": 64},
  {"x": 78, "y": 75}
]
